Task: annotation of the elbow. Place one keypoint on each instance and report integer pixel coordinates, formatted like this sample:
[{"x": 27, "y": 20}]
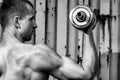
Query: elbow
[
  {"x": 88, "y": 75},
  {"x": 85, "y": 76}
]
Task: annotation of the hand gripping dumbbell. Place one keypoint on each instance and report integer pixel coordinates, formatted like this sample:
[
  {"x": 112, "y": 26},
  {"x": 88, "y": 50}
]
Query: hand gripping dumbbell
[{"x": 82, "y": 17}]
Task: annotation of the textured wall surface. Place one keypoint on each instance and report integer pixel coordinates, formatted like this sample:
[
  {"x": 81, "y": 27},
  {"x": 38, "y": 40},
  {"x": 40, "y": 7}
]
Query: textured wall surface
[{"x": 55, "y": 30}]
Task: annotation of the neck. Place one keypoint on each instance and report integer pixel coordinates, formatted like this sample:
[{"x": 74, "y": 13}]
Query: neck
[{"x": 10, "y": 36}]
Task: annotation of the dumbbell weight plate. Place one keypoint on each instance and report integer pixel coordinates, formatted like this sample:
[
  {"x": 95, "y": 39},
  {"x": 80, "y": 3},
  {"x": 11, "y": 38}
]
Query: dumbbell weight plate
[{"x": 81, "y": 17}]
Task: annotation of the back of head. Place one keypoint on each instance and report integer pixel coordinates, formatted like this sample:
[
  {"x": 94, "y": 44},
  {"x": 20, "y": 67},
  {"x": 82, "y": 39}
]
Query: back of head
[{"x": 10, "y": 9}]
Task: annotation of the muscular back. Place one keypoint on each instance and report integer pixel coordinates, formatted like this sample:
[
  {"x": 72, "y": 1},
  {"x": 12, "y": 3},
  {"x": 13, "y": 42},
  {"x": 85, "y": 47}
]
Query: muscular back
[{"x": 26, "y": 62}]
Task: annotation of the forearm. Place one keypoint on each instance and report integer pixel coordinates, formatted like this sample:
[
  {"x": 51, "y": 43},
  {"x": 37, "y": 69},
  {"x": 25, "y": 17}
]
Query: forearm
[{"x": 90, "y": 56}]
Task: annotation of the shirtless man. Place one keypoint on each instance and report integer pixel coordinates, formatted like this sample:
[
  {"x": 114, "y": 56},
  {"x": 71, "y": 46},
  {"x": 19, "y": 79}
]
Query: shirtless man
[{"x": 19, "y": 61}]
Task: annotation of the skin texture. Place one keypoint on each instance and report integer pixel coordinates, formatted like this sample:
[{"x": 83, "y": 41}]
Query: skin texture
[{"x": 19, "y": 61}]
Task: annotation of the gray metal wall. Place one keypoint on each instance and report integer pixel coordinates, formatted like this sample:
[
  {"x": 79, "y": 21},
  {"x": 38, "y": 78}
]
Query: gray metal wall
[{"x": 55, "y": 30}]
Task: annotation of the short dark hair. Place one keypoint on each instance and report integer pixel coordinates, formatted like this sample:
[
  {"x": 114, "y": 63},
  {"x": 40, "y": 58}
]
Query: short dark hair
[{"x": 11, "y": 8}]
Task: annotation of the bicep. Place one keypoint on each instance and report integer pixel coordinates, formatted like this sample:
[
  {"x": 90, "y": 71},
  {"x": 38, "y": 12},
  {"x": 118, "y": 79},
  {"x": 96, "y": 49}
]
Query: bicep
[{"x": 69, "y": 70}]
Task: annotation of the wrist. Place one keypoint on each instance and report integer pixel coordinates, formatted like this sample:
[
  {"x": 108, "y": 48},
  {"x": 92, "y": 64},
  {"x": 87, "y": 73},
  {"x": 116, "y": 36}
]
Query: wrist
[
  {"x": 89, "y": 35},
  {"x": 89, "y": 32}
]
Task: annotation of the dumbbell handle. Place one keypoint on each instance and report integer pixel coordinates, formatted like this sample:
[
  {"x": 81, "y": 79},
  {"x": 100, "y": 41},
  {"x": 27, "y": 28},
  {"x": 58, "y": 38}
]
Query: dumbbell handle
[{"x": 81, "y": 16}]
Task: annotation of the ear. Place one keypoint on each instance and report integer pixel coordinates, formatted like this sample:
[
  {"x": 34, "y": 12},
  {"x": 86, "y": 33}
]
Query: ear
[{"x": 16, "y": 22}]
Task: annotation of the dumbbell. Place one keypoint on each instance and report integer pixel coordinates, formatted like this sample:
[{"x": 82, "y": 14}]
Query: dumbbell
[{"x": 82, "y": 17}]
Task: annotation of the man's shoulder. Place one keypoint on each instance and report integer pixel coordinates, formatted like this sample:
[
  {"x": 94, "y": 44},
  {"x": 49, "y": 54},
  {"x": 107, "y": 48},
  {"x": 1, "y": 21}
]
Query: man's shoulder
[
  {"x": 29, "y": 51},
  {"x": 33, "y": 49},
  {"x": 43, "y": 46},
  {"x": 23, "y": 47},
  {"x": 35, "y": 46}
]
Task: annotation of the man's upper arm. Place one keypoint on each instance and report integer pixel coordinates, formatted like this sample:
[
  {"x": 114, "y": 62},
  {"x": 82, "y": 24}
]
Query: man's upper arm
[
  {"x": 70, "y": 70},
  {"x": 64, "y": 68}
]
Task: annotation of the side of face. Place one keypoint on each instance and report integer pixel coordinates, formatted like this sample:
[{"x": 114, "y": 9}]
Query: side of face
[{"x": 27, "y": 24}]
